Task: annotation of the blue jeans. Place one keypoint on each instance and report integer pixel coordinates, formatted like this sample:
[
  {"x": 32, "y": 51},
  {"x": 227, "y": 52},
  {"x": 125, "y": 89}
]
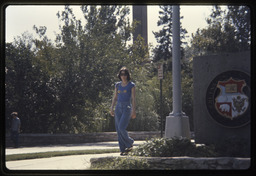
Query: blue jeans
[
  {"x": 15, "y": 138},
  {"x": 122, "y": 118}
]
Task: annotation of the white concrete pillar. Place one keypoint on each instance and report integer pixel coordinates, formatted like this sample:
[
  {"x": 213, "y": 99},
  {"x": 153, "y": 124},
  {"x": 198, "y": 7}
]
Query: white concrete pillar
[
  {"x": 177, "y": 123},
  {"x": 176, "y": 68}
]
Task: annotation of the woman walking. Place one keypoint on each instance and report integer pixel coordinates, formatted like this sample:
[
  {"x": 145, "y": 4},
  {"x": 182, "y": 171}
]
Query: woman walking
[{"x": 124, "y": 96}]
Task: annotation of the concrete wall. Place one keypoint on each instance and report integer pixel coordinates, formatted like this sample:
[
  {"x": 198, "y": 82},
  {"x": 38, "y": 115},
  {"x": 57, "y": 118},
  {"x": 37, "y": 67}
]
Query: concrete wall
[
  {"x": 205, "y": 69},
  {"x": 55, "y": 139}
]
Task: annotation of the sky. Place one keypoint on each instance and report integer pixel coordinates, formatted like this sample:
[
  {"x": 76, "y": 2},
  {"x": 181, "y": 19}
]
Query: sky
[{"x": 22, "y": 18}]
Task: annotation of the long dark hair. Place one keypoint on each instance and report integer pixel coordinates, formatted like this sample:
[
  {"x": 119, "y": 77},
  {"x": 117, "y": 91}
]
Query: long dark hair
[{"x": 126, "y": 72}]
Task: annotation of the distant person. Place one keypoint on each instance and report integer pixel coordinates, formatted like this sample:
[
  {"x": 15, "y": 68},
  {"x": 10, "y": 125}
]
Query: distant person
[
  {"x": 15, "y": 129},
  {"x": 125, "y": 109}
]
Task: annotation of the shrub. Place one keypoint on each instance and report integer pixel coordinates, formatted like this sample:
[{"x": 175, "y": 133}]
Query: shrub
[
  {"x": 122, "y": 164},
  {"x": 162, "y": 147}
]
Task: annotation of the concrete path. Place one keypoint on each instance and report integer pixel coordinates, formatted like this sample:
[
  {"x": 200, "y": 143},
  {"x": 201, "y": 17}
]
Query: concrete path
[{"x": 74, "y": 162}]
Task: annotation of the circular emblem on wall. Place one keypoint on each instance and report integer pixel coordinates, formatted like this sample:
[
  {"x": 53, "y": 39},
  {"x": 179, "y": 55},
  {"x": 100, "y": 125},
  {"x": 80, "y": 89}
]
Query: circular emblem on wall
[{"x": 228, "y": 99}]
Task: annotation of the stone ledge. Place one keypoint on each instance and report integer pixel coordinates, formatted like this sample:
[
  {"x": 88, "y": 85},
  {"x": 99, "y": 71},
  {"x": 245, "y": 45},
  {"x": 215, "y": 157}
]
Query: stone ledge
[{"x": 188, "y": 163}]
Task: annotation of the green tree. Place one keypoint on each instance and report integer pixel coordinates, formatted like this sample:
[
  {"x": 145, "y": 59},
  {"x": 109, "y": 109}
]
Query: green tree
[
  {"x": 163, "y": 51},
  {"x": 228, "y": 31},
  {"x": 26, "y": 86},
  {"x": 240, "y": 18},
  {"x": 77, "y": 73},
  {"x": 87, "y": 58},
  {"x": 67, "y": 86}
]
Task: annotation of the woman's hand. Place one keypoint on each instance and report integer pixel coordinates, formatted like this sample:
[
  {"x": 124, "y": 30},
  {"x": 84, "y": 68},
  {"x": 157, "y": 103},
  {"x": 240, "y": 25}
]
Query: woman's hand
[
  {"x": 133, "y": 115},
  {"x": 112, "y": 113}
]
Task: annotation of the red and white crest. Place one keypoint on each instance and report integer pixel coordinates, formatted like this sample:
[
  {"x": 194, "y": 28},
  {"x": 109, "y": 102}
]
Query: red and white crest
[{"x": 231, "y": 102}]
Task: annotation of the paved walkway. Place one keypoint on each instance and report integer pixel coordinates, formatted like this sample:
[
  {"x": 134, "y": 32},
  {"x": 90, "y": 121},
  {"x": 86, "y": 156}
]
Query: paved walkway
[{"x": 74, "y": 162}]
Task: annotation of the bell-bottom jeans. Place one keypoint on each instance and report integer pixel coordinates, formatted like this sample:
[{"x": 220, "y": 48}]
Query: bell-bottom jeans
[{"x": 122, "y": 118}]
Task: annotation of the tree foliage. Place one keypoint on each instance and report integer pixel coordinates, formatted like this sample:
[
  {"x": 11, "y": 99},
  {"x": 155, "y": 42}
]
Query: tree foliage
[
  {"x": 67, "y": 86},
  {"x": 163, "y": 51},
  {"x": 228, "y": 30}
]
